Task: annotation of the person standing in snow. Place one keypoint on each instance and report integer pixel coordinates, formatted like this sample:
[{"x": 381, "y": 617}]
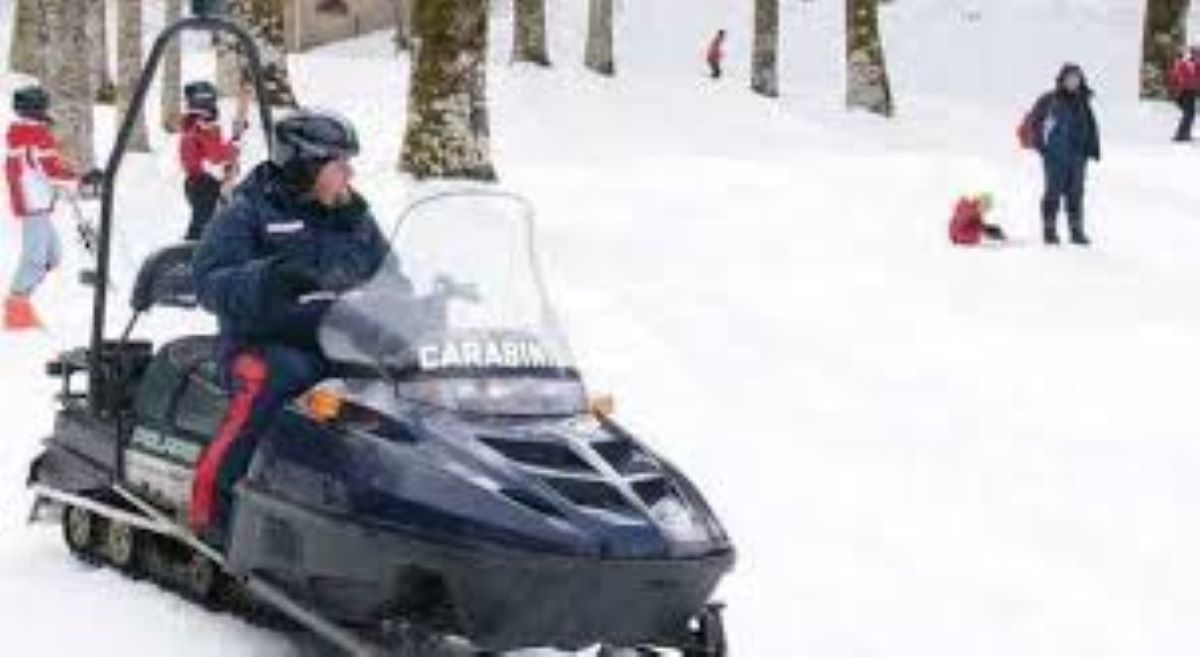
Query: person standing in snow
[
  {"x": 1184, "y": 83},
  {"x": 967, "y": 225},
  {"x": 209, "y": 161},
  {"x": 716, "y": 54},
  {"x": 36, "y": 171},
  {"x": 1066, "y": 135}
]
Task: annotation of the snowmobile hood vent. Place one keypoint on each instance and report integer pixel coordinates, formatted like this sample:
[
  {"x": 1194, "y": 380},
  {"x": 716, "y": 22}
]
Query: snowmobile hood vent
[{"x": 540, "y": 454}]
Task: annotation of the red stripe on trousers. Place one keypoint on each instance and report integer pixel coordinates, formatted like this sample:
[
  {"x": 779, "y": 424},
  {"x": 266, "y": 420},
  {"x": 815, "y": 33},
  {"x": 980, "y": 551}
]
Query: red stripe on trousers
[{"x": 250, "y": 372}]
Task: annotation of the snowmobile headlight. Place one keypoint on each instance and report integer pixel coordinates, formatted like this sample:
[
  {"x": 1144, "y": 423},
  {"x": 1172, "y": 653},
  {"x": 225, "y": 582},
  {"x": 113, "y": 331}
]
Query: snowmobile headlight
[{"x": 323, "y": 405}]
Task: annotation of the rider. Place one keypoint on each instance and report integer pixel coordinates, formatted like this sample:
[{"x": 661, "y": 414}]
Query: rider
[{"x": 294, "y": 227}]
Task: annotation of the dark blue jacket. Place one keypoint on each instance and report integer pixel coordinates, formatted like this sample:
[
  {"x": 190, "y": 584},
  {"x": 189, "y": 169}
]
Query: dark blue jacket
[
  {"x": 1064, "y": 126},
  {"x": 262, "y": 227}
]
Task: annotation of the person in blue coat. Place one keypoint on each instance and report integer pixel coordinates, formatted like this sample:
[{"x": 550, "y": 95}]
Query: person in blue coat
[
  {"x": 1066, "y": 135},
  {"x": 294, "y": 227}
]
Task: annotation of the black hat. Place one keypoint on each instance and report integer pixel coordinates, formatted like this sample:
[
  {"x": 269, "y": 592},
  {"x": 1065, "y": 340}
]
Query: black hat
[
  {"x": 31, "y": 102},
  {"x": 201, "y": 97}
]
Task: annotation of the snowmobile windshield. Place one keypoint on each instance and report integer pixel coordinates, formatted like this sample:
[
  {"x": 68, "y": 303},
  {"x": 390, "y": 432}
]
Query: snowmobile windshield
[{"x": 458, "y": 316}]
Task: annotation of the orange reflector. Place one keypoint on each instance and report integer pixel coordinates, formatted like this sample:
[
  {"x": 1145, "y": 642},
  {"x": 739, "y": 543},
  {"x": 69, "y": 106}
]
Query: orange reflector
[
  {"x": 323, "y": 405},
  {"x": 602, "y": 404}
]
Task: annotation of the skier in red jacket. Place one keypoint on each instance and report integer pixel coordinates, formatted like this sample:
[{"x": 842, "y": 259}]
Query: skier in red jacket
[
  {"x": 716, "y": 54},
  {"x": 36, "y": 171},
  {"x": 967, "y": 227},
  {"x": 209, "y": 160},
  {"x": 1184, "y": 83}
]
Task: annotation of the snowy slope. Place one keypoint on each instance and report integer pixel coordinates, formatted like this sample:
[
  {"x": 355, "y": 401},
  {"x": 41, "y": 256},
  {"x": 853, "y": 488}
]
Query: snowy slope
[{"x": 919, "y": 451}]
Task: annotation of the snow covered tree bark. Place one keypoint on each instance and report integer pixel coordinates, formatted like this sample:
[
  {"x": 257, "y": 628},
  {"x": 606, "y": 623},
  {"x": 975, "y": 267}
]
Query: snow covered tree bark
[
  {"x": 447, "y": 131},
  {"x": 867, "y": 84},
  {"x": 599, "y": 53},
  {"x": 172, "y": 72},
  {"x": 30, "y": 36},
  {"x": 69, "y": 80},
  {"x": 229, "y": 65},
  {"x": 97, "y": 31},
  {"x": 129, "y": 67},
  {"x": 529, "y": 32},
  {"x": 764, "y": 75},
  {"x": 264, "y": 20},
  {"x": 403, "y": 13},
  {"x": 1164, "y": 33}
]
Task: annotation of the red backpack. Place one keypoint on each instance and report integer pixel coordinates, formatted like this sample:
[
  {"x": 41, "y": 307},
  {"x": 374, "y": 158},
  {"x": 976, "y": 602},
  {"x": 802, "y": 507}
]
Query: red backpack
[{"x": 1025, "y": 135}]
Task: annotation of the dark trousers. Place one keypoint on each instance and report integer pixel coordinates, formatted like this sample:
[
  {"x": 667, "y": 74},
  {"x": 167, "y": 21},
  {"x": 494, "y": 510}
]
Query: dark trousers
[
  {"x": 714, "y": 67},
  {"x": 262, "y": 381},
  {"x": 1187, "y": 104},
  {"x": 203, "y": 192},
  {"x": 1064, "y": 180}
]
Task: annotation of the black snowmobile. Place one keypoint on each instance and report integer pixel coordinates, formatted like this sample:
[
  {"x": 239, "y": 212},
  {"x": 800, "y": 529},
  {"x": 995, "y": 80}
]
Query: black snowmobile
[{"x": 450, "y": 489}]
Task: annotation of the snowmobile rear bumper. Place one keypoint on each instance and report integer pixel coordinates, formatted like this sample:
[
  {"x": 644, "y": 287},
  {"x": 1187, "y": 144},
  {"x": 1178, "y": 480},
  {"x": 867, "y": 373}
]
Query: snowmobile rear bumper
[{"x": 499, "y": 599}]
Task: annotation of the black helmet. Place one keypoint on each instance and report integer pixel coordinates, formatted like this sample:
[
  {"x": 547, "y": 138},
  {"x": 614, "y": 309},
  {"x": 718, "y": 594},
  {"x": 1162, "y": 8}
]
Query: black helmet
[
  {"x": 201, "y": 97},
  {"x": 306, "y": 140},
  {"x": 31, "y": 102}
]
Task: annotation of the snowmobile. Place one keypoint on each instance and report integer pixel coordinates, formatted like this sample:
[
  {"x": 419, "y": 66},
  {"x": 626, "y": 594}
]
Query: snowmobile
[{"x": 448, "y": 490}]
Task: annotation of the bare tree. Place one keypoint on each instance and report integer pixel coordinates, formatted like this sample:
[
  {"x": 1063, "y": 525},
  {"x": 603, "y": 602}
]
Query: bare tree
[
  {"x": 229, "y": 64},
  {"x": 30, "y": 36},
  {"x": 403, "y": 13},
  {"x": 69, "y": 80},
  {"x": 764, "y": 75},
  {"x": 599, "y": 53},
  {"x": 172, "y": 71},
  {"x": 867, "y": 84},
  {"x": 129, "y": 67},
  {"x": 264, "y": 20},
  {"x": 529, "y": 32},
  {"x": 97, "y": 32},
  {"x": 447, "y": 132},
  {"x": 1164, "y": 33}
]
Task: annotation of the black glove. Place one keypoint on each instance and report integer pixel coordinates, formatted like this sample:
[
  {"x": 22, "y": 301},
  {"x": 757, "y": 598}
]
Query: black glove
[
  {"x": 91, "y": 184},
  {"x": 287, "y": 281}
]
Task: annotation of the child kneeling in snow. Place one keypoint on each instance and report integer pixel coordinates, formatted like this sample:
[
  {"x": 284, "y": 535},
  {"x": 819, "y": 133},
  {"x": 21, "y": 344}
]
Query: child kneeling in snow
[{"x": 967, "y": 227}]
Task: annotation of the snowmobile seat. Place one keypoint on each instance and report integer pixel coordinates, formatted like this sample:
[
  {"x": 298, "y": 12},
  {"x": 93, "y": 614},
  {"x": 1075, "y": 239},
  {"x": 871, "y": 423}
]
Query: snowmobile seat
[
  {"x": 181, "y": 389},
  {"x": 165, "y": 279}
]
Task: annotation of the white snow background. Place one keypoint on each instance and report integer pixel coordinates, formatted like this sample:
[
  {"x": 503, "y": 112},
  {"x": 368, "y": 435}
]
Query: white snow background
[{"x": 919, "y": 451}]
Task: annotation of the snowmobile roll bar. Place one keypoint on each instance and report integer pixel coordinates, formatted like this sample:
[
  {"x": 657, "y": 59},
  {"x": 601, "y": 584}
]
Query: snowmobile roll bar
[{"x": 98, "y": 376}]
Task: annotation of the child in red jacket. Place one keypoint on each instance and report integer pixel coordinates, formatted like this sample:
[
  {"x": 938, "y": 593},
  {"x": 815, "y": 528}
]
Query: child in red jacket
[
  {"x": 1184, "y": 83},
  {"x": 967, "y": 227},
  {"x": 209, "y": 160},
  {"x": 715, "y": 54},
  {"x": 36, "y": 171}
]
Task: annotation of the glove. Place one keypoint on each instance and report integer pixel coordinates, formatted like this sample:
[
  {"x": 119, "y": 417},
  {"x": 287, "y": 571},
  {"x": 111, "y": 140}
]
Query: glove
[
  {"x": 288, "y": 282},
  {"x": 91, "y": 184}
]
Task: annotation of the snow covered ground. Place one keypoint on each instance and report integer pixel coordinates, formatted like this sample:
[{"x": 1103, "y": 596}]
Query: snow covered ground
[{"x": 918, "y": 450}]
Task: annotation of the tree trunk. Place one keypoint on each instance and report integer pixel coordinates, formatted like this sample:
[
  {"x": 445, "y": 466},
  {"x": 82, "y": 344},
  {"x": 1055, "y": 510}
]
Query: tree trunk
[
  {"x": 764, "y": 77},
  {"x": 69, "y": 81},
  {"x": 172, "y": 72},
  {"x": 403, "y": 12},
  {"x": 1163, "y": 36},
  {"x": 599, "y": 53},
  {"x": 229, "y": 65},
  {"x": 867, "y": 85},
  {"x": 264, "y": 20},
  {"x": 529, "y": 32},
  {"x": 129, "y": 67},
  {"x": 97, "y": 31},
  {"x": 447, "y": 132},
  {"x": 30, "y": 36}
]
